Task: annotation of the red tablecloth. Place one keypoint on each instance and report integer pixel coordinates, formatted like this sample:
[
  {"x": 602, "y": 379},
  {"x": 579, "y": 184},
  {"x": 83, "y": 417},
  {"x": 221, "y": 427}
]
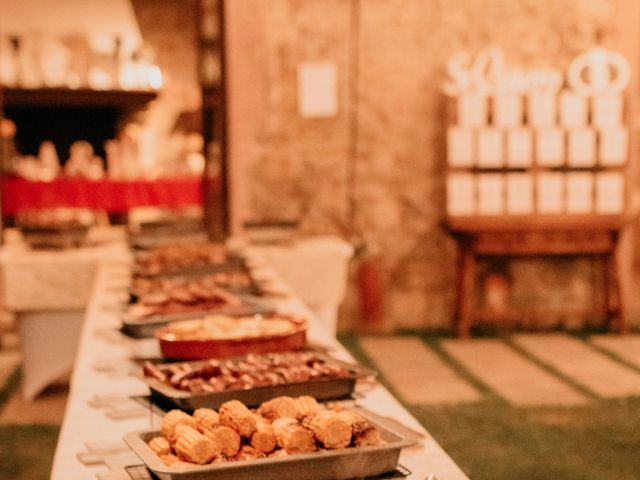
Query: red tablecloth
[{"x": 114, "y": 196}]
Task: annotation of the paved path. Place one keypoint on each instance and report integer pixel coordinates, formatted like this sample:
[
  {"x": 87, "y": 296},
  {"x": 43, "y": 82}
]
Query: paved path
[
  {"x": 582, "y": 363},
  {"x": 511, "y": 375},
  {"x": 626, "y": 347},
  {"x": 417, "y": 373}
]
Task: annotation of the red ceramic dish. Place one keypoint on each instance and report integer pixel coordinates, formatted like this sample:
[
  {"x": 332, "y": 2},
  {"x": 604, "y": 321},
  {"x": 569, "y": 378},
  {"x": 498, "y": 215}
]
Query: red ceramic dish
[{"x": 195, "y": 349}]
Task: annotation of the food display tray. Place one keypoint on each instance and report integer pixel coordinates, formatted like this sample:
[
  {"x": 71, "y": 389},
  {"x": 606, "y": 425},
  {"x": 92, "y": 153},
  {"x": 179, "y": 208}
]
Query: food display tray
[
  {"x": 56, "y": 238},
  {"x": 340, "y": 464},
  {"x": 146, "y": 327},
  {"x": 325, "y": 389},
  {"x": 148, "y": 241},
  {"x": 252, "y": 288},
  {"x": 231, "y": 263}
]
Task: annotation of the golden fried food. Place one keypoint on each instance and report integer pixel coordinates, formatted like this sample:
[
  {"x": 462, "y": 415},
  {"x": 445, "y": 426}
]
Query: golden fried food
[
  {"x": 281, "y": 452},
  {"x": 282, "y": 426},
  {"x": 174, "y": 418},
  {"x": 363, "y": 432},
  {"x": 279, "y": 407},
  {"x": 332, "y": 430},
  {"x": 206, "y": 419},
  {"x": 160, "y": 445},
  {"x": 293, "y": 437},
  {"x": 264, "y": 439},
  {"x": 171, "y": 460},
  {"x": 236, "y": 415},
  {"x": 226, "y": 441},
  {"x": 307, "y": 406},
  {"x": 247, "y": 452},
  {"x": 192, "y": 446}
]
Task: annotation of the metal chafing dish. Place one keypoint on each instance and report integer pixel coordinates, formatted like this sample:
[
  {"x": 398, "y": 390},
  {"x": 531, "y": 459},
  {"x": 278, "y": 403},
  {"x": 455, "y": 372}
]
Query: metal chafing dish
[
  {"x": 322, "y": 389},
  {"x": 340, "y": 464}
]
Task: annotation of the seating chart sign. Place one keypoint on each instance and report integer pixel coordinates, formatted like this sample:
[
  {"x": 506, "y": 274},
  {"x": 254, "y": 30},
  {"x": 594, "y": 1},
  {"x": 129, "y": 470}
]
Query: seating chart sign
[{"x": 546, "y": 125}]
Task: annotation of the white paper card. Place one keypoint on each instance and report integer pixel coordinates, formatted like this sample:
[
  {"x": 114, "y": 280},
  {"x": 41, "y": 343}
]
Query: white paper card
[
  {"x": 460, "y": 147},
  {"x": 541, "y": 110},
  {"x": 490, "y": 153},
  {"x": 472, "y": 110},
  {"x": 549, "y": 193},
  {"x": 573, "y": 109},
  {"x": 606, "y": 111},
  {"x": 580, "y": 192},
  {"x": 490, "y": 194},
  {"x": 461, "y": 194},
  {"x": 519, "y": 193},
  {"x": 609, "y": 193},
  {"x": 519, "y": 148},
  {"x": 582, "y": 147},
  {"x": 317, "y": 90},
  {"x": 613, "y": 146},
  {"x": 507, "y": 110},
  {"x": 550, "y": 147}
]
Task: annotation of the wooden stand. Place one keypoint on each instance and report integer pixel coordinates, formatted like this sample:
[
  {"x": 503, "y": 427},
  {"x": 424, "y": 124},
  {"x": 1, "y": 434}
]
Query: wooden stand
[{"x": 536, "y": 235}]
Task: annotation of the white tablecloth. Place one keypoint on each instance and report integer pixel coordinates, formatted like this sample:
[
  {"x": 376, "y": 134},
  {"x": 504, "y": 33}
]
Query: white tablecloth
[
  {"x": 100, "y": 344},
  {"x": 48, "y": 291},
  {"x": 316, "y": 269}
]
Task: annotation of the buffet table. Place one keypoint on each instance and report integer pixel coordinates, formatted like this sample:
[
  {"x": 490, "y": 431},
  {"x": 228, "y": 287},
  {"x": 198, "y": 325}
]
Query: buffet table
[{"x": 102, "y": 377}]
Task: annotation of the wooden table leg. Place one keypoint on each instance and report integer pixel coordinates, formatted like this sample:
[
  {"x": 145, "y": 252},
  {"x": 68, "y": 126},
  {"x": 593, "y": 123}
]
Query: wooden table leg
[
  {"x": 617, "y": 320},
  {"x": 466, "y": 289}
]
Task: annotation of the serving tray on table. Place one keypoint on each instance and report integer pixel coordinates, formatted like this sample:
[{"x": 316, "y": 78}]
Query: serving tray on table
[
  {"x": 147, "y": 326},
  {"x": 321, "y": 389},
  {"x": 250, "y": 288},
  {"x": 339, "y": 464}
]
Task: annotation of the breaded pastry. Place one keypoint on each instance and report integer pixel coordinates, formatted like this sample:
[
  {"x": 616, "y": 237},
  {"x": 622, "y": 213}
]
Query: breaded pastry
[
  {"x": 206, "y": 418},
  {"x": 264, "y": 439},
  {"x": 174, "y": 418},
  {"x": 192, "y": 446},
  {"x": 160, "y": 445},
  {"x": 364, "y": 433},
  {"x": 236, "y": 415},
  {"x": 293, "y": 437},
  {"x": 226, "y": 441},
  {"x": 170, "y": 460},
  {"x": 330, "y": 429},
  {"x": 279, "y": 407},
  {"x": 281, "y": 452},
  {"x": 307, "y": 406},
  {"x": 247, "y": 452}
]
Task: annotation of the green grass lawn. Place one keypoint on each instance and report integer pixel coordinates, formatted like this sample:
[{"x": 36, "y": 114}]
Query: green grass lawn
[
  {"x": 26, "y": 451},
  {"x": 492, "y": 440}
]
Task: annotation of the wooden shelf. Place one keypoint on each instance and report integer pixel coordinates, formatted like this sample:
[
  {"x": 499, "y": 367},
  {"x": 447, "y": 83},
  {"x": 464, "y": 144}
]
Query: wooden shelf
[{"x": 82, "y": 97}]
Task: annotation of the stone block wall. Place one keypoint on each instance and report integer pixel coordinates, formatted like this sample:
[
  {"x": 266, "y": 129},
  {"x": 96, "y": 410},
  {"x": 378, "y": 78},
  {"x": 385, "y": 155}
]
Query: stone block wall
[
  {"x": 299, "y": 168},
  {"x": 288, "y": 167}
]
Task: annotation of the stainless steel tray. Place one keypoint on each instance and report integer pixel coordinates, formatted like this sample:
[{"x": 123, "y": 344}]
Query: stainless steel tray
[
  {"x": 327, "y": 389},
  {"x": 148, "y": 241},
  {"x": 232, "y": 263},
  {"x": 342, "y": 464},
  {"x": 147, "y": 326},
  {"x": 252, "y": 288}
]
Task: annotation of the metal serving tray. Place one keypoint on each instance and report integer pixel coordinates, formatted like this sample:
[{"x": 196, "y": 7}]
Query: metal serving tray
[
  {"x": 148, "y": 241},
  {"x": 146, "y": 327},
  {"x": 252, "y": 288},
  {"x": 341, "y": 464},
  {"x": 326, "y": 389}
]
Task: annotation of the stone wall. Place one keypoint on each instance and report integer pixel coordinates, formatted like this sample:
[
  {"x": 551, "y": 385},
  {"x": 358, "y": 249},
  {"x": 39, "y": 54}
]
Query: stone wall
[{"x": 299, "y": 168}]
